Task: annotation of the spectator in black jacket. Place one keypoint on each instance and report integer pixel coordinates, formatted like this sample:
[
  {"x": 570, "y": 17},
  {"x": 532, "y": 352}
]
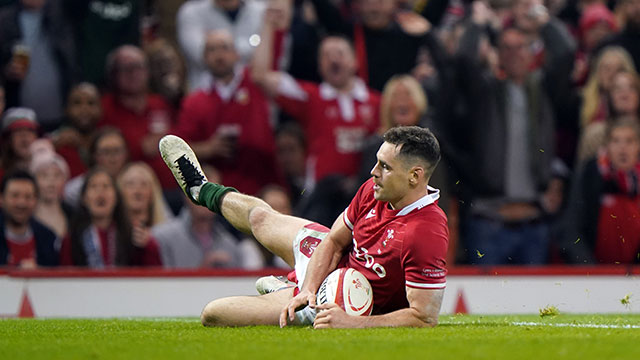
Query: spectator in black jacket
[
  {"x": 629, "y": 37},
  {"x": 510, "y": 122},
  {"x": 24, "y": 242}
]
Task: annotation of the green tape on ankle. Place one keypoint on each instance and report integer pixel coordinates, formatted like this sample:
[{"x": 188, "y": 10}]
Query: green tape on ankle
[{"x": 211, "y": 195}]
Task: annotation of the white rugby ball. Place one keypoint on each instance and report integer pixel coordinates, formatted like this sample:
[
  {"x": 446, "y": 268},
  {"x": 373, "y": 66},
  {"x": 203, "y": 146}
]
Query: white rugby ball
[{"x": 349, "y": 289}]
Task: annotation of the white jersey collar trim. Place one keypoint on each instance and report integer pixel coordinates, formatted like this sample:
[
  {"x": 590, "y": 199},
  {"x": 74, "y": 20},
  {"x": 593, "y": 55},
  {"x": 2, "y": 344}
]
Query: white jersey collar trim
[{"x": 430, "y": 198}]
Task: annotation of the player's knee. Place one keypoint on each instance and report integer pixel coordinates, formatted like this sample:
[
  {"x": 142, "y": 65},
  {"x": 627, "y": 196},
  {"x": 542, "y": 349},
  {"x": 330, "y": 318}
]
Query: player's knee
[
  {"x": 259, "y": 217},
  {"x": 209, "y": 316}
]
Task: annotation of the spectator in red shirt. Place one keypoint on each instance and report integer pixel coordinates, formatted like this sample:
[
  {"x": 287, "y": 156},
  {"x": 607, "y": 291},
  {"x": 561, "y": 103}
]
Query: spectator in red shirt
[
  {"x": 101, "y": 234},
  {"x": 228, "y": 123},
  {"x": 24, "y": 242},
  {"x": 142, "y": 117},
  {"x": 73, "y": 139},
  {"x": 337, "y": 115}
]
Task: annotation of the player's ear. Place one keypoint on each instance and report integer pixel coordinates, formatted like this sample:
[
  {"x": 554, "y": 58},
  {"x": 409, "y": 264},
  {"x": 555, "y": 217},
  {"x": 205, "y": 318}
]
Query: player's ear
[{"x": 416, "y": 174}]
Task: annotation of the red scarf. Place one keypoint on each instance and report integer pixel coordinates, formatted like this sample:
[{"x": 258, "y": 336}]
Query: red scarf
[{"x": 626, "y": 182}]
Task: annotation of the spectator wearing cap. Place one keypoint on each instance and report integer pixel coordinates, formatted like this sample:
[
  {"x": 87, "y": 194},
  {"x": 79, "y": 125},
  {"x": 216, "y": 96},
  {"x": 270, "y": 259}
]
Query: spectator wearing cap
[
  {"x": 24, "y": 241},
  {"x": 37, "y": 57},
  {"x": 51, "y": 172},
  {"x": 19, "y": 131},
  {"x": 596, "y": 24}
]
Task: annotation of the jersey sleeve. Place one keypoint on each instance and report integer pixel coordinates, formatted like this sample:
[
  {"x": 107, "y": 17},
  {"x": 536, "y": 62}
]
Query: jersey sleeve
[
  {"x": 424, "y": 253},
  {"x": 352, "y": 212},
  {"x": 293, "y": 97}
]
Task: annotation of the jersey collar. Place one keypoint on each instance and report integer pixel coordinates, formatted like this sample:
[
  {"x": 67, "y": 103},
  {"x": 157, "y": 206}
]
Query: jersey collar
[
  {"x": 431, "y": 197},
  {"x": 358, "y": 92}
]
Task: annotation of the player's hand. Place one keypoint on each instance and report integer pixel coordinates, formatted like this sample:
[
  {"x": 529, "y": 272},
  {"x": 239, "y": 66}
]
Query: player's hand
[
  {"x": 304, "y": 298},
  {"x": 332, "y": 316}
]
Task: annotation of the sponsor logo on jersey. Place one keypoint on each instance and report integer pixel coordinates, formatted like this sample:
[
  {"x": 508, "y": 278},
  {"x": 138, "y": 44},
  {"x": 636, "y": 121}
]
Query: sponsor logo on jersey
[
  {"x": 371, "y": 214},
  {"x": 433, "y": 273}
]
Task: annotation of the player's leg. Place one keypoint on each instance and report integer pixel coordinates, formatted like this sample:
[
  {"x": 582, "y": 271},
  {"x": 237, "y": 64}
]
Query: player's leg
[
  {"x": 246, "y": 310},
  {"x": 246, "y": 213}
]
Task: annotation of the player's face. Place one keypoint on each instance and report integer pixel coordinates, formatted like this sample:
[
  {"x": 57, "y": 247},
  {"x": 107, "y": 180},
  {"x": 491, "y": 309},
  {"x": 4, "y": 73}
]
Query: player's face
[{"x": 390, "y": 175}]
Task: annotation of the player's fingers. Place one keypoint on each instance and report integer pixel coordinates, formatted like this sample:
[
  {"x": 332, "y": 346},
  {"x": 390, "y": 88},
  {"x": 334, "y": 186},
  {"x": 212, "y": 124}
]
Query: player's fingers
[
  {"x": 283, "y": 317},
  {"x": 326, "y": 306},
  {"x": 312, "y": 301},
  {"x": 292, "y": 311}
]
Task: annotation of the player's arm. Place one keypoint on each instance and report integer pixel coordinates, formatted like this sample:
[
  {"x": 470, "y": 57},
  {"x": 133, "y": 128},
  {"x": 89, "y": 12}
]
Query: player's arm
[
  {"x": 324, "y": 260},
  {"x": 423, "y": 310}
]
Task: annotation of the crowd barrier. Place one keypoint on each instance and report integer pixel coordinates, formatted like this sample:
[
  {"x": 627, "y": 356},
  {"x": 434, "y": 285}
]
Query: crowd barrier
[{"x": 181, "y": 293}]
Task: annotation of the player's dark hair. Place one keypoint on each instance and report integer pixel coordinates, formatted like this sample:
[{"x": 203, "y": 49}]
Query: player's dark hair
[
  {"x": 18, "y": 175},
  {"x": 415, "y": 143}
]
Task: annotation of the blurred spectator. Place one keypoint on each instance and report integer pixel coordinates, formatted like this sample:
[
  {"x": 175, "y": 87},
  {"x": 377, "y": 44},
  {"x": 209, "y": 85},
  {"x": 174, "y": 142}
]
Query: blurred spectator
[
  {"x": 37, "y": 57},
  {"x": 24, "y": 242},
  {"x": 602, "y": 222},
  {"x": 101, "y": 234},
  {"x": 597, "y": 104},
  {"x": 336, "y": 115},
  {"x": 196, "y": 18},
  {"x": 100, "y": 27},
  {"x": 142, "y": 195},
  {"x": 142, "y": 117},
  {"x": 166, "y": 71},
  {"x": 196, "y": 238},
  {"x": 629, "y": 37},
  {"x": 594, "y": 94},
  {"x": 510, "y": 117},
  {"x": 596, "y": 24},
  {"x": 403, "y": 103},
  {"x": 624, "y": 95},
  {"x": 291, "y": 154},
  {"x": 108, "y": 151},
  {"x": 19, "y": 131},
  {"x": 72, "y": 140},
  {"x": 51, "y": 172},
  {"x": 227, "y": 124},
  {"x": 386, "y": 41}
]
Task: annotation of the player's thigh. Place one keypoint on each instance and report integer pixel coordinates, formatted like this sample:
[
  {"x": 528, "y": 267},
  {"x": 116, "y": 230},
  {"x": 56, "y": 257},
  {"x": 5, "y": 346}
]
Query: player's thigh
[
  {"x": 276, "y": 231},
  {"x": 246, "y": 310}
]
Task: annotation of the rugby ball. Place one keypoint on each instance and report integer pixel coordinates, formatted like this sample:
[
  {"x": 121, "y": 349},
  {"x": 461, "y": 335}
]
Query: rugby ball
[{"x": 349, "y": 289}]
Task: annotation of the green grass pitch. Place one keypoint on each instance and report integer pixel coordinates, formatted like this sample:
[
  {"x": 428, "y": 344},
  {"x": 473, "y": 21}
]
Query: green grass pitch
[{"x": 464, "y": 337}]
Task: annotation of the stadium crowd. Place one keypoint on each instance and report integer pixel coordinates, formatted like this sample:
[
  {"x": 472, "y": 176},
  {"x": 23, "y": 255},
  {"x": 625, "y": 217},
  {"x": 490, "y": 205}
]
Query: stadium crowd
[{"x": 536, "y": 104}]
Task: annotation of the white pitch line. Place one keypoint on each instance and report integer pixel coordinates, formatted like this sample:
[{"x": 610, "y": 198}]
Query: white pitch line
[{"x": 592, "y": 326}]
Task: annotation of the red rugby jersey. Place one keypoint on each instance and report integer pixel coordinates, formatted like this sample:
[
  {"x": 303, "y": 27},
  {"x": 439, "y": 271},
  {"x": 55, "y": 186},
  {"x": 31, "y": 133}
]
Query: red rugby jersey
[
  {"x": 397, "y": 248},
  {"x": 336, "y": 125}
]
